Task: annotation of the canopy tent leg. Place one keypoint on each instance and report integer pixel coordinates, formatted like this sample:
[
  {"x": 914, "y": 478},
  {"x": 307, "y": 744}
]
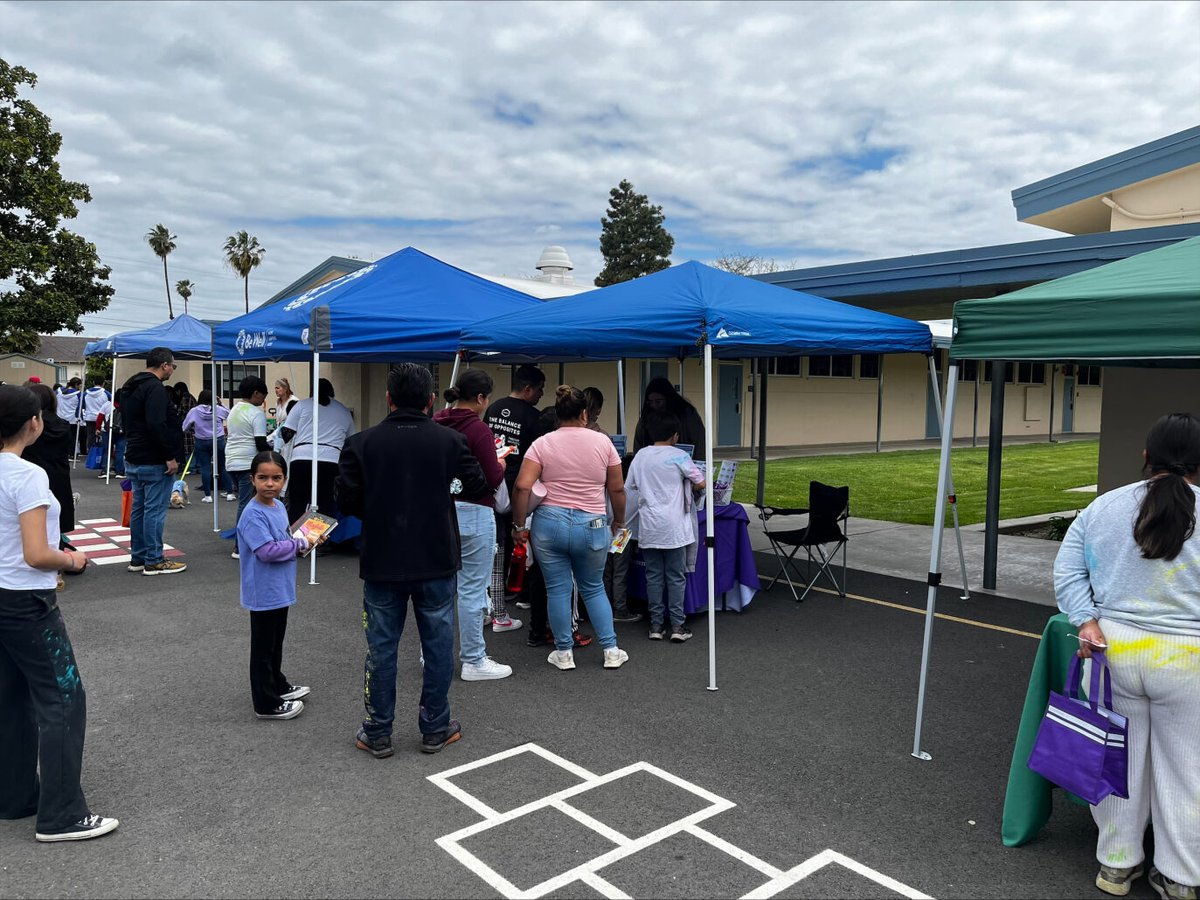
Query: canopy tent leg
[
  {"x": 316, "y": 408},
  {"x": 453, "y": 380},
  {"x": 754, "y": 408},
  {"x": 879, "y": 408},
  {"x": 935, "y": 553},
  {"x": 962, "y": 559},
  {"x": 216, "y": 426},
  {"x": 710, "y": 541},
  {"x": 681, "y": 374},
  {"x": 108, "y": 455},
  {"x": 621, "y": 400},
  {"x": 1053, "y": 372},
  {"x": 762, "y": 432}
]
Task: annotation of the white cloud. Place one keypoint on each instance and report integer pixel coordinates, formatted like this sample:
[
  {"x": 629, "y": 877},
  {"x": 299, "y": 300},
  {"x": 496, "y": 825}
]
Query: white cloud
[{"x": 481, "y": 131}]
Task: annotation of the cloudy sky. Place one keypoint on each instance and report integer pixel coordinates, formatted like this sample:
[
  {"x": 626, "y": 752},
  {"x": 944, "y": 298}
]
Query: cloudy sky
[{"x": 810, "y": 133}]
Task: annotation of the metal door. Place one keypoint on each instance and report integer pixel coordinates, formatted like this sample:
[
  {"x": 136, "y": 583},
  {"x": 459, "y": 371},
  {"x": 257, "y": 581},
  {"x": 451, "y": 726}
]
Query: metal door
[
  {"x": 729, "y": 406},
  {"x": 1068, "y": 404}
]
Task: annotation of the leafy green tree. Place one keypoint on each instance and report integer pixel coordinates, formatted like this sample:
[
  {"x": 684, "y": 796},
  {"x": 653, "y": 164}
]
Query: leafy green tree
[
  {"x": 162, "y": 242},
  {"x": 244, "y": 254},
  {"x": 185, "y": 289},
  {"x": 49, "y": 276},
  {"x": 632, "y": 237}
]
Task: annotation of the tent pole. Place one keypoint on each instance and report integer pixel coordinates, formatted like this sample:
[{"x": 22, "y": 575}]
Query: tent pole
[
  {"x": 216, "y": 426},
  {"x": 975, "y": 408},
  {"x": 935, "y": 552},
  {"x": 681, "y": 374},
  {"x": 754, "y": 407},
  {"x": 962, "y": 559},
  {"x": 710, "y": 542},
  {"x": 878, "y": 407},
  {"x": 108, "y": 455},
  {"x": 991, "y": 525},
  {"x": 453, "y": 378},
  {"x": 316, "y": 416},
  {"x": 621, "y": 397},
  {"x": 762, "y": 430},
  {"x": 1053, "y": 372}
]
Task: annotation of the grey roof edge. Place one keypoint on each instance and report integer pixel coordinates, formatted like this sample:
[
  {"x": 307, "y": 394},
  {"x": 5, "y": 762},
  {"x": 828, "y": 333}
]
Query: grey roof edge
[
  {"x": 1175, "y": 151},
  {"x": 999, "y": 264},
  {"x": 333, "y": 263}
]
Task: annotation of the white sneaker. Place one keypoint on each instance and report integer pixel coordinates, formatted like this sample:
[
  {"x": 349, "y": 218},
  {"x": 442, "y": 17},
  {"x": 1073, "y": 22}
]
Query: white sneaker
[
  {"x": 206, "y": 500},
  {"x": 615, "y": 657},
  {"x": 508, "y": 623},
  {"x": 564, "y": 659},
  {"x": 231, "y": 497},
  {"x": 487, "y": 669}
]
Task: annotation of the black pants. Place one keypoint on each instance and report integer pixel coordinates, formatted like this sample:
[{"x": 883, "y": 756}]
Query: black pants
[
  {"x": 43, "y": 713},
  {"x": 299, "y": 487},
  {"x": 267, "y": 680}
]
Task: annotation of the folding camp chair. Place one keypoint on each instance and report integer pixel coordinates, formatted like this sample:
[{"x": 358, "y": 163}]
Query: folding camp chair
[{"x": 828, "y": 511}]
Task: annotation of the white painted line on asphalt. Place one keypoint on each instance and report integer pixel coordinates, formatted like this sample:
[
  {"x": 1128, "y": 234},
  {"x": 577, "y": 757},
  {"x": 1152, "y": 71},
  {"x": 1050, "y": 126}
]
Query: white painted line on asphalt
[{"x": 588, "y": 872}]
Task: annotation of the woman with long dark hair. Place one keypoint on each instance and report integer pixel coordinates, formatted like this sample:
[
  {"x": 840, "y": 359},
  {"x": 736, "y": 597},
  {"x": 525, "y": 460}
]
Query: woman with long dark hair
[
  {"x": 43, "y": 706},
  {"x": 1128, "y": 577},
  {"x": 52, "y": 452},
  {"x": 661, "y": 396}
]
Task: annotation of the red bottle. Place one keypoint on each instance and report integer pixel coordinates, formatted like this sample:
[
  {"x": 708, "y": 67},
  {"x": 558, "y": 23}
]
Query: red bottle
[{"x": 516, "y": 569}]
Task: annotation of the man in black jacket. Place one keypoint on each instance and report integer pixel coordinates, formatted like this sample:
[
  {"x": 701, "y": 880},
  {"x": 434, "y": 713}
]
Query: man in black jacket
[
  {"x": 401, "y": 478},
  {"x": 153, "y": 447}
]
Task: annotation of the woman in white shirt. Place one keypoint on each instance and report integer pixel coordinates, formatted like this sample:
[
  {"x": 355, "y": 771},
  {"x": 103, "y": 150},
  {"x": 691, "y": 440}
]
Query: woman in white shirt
[
  {"x": 336, "y": 423},
  {"x": 43, "y": 707}
]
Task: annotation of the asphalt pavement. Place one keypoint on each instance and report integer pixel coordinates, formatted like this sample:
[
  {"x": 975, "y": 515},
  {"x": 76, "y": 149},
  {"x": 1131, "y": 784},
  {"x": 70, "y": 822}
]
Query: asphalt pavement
[{"x": 794, "y": 779}]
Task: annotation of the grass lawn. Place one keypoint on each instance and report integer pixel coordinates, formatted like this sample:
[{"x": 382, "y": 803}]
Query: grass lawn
[{"x": 900, "y": 486}]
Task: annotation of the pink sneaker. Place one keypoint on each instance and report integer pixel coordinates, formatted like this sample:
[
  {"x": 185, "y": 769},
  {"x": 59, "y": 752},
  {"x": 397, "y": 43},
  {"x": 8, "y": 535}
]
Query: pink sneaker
[{"x": 508, "y": 623}]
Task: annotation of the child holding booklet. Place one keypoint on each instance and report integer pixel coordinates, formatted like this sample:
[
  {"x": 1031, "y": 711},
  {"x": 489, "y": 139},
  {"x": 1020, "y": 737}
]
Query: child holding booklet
[
  {"x": 658, "y": 485},
  {"x": 268, "y": 567}
]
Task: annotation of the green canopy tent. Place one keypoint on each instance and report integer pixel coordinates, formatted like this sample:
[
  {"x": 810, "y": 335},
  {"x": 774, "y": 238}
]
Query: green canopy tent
[{"x": 1140, "y": 311}]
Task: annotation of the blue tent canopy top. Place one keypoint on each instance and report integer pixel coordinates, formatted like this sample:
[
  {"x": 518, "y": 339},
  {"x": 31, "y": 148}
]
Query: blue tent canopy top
[
  {"x": 673, "y": 313},
  {"x": 408, "y": 305},
  {"x": 185, "y": 336}
]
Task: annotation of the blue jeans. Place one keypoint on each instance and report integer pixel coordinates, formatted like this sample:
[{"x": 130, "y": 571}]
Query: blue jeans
[
  {"x": 151, "y": 497},
  {"x": 203, "y": 462},
  {"x": 43, "y": 713},
  {"x": 665, "y": 567},
  {"x": 477, "y": 528},
  {"x": 385, "y": 605},
  {"x": 245, "y": 489},
  {"x": 566, "y": 543}
]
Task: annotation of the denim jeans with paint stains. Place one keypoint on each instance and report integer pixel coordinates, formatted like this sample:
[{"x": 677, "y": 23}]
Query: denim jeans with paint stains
[
  {"x": 43, "y": 713},
  {"x": 385, "y": 606}
]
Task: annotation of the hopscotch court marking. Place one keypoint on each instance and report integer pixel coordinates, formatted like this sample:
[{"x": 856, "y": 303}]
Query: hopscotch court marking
[
  {"x": 588, "y": 872},
  {"x": 106, "y": 542}
]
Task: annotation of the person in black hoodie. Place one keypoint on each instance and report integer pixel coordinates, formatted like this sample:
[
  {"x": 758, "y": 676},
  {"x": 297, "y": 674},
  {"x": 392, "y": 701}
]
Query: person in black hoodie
[
  {"x": 153, "y": 448},
  {"x": 52, "y": 452},
  {"x": 401, "y": 477}
]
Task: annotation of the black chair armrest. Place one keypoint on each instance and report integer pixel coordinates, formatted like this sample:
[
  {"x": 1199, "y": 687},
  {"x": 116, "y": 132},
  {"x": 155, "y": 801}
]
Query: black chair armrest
[{"x": 766, "y": 512}]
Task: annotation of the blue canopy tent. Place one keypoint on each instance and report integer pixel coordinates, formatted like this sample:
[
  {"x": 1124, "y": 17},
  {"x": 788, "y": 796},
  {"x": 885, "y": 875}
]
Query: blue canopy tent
[
  {"x": 692, "y": 310},
  {"x": 407, "y": 306},
  {"x": 186, "y": 336}
]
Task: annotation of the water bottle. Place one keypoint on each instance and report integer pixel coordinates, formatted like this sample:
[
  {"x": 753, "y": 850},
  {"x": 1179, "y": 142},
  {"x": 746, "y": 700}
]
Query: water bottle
[{"x": 516, "y": 569}]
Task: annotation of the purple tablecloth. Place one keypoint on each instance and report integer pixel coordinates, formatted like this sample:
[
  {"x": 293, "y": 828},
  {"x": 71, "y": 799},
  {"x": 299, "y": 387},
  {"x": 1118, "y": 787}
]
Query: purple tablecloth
[{"x": 737, "y": 579}]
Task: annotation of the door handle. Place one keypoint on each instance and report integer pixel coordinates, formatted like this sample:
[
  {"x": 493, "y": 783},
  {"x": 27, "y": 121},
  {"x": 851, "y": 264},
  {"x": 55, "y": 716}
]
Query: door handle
[{"x": 737, "y": 409}]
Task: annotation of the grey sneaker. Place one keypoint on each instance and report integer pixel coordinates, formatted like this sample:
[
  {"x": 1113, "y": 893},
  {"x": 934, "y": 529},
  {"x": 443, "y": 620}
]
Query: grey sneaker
[
  {"x": 626, "y": 616},
  {"x": 1166, "y": 888},
  {"x": 87, "y": 827},
  {"x": 1116, "y": 881},
  {"x": 680, "y": 634},
  {"x": 166, "y": 567},
  {"x": 656, "y": 632},
  {"x": 378, "y": 747},
  {"x": 487, "y": 669}
]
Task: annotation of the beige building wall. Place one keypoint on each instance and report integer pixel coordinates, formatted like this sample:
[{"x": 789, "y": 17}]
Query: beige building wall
[
  {"x": 17, "y": 369},
  {"x": 1134, "y": 399},
  {"x": 1170, "y": 196}
]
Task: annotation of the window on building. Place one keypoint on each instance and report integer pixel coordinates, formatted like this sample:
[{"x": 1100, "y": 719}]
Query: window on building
[
  {"x": 1009, "y": 372},
  {"x": 1087, "y": 375},
  {"x": 840, "y": 366},
  {"x": 968, "y": 370},
  {"x": 231, "y": 375},
  {"x": 783, "y": 365},
  {"x": 1031, "y": 373},
  {"x": 868, "y": 365}
]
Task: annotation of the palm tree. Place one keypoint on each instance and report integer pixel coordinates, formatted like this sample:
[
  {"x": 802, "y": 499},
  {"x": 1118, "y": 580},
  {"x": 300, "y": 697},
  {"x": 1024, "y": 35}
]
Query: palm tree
[
  {"x": 162, "y": 242},
  {"x": 185, "y": 289},
  {"x": 243, "y": 254}
]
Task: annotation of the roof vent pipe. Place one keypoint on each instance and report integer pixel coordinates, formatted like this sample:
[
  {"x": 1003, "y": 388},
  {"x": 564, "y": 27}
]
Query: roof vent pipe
[{"x": 555, "y": 266}]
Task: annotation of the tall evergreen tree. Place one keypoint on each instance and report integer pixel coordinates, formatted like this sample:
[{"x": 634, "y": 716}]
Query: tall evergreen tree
[
  {"x": 49, "y": 276},
  {"x": 162, "y": 242},
  {"x": 632, "y": 237}
]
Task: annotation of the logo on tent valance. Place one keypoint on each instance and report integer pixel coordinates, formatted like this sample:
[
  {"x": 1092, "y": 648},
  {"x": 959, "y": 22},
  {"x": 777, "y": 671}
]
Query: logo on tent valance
[{"x": 253, "y": 340}]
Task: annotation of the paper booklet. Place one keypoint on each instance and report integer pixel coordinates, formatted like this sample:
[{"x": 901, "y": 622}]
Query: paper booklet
[
  {"x": 313, "y": 525},
  {"x": 619, "y": 541},
  {"x": 503, "y": 450}
]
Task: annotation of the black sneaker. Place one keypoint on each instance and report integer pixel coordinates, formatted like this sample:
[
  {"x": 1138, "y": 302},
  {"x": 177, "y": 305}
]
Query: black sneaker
[
  {"x": 656, "y": 632},
  {"x": 288, "y": 709},
  {"x": 379, "y": 747},
  {"x": 432, "y": 743},
  {"x": 538, "y": 639},
  {"x": 87, "y": 827},
  {"x": 625, "y": 615},
  {"x": 680, "y": 634}
]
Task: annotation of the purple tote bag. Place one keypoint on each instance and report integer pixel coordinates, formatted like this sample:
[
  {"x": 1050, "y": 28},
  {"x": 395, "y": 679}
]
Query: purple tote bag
[{"x": 1081, "y": 744}]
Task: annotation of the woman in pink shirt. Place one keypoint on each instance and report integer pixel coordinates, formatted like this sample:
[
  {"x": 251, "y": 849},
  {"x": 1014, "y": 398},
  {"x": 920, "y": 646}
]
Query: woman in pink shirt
[{"x": 571, "y": 532}]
